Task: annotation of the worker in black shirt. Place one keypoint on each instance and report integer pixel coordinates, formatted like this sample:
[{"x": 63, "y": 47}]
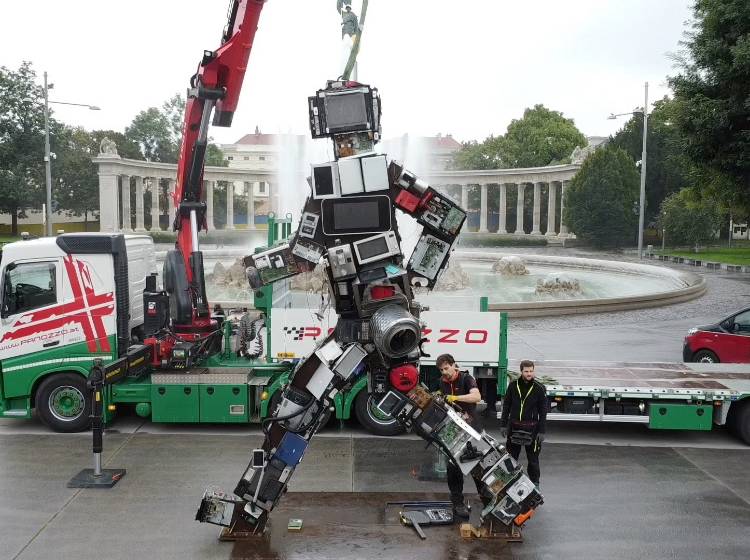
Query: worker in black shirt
[
  {"x": 524, "y": 416},
  {"x": 460, "y": 389}
]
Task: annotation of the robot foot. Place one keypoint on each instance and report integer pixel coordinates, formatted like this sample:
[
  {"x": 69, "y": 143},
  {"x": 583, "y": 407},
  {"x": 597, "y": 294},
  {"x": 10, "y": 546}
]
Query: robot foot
[{"x": 240, "y": 518}]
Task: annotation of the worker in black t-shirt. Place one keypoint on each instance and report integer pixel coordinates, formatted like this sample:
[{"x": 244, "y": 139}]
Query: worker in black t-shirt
[
  {"x": 460, "y": 389},
  {"x": 524, "y": 418}
]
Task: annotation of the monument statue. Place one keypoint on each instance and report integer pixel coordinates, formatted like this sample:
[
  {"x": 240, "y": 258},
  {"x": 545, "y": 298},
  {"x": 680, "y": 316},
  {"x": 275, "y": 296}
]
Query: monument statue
[
  {"x": 349, "y": 21},
  {"x": 107, "y": 147}
]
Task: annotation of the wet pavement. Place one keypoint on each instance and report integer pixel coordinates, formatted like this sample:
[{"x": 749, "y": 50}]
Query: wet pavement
[{"x": 601, "y": 501}]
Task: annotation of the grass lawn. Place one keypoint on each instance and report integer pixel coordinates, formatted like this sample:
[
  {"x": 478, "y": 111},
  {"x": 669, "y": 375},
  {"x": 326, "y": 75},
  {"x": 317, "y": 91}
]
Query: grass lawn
[{"x": 735, "y": 255}]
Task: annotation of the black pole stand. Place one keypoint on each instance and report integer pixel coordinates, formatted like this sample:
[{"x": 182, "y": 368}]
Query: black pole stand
[{"x": 97, "y": 477}]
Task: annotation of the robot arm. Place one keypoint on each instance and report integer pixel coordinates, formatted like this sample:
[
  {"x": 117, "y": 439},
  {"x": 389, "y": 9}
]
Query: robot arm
[
  {"x": 299, "y": 254},
  {"x": 441, "y": 218}
]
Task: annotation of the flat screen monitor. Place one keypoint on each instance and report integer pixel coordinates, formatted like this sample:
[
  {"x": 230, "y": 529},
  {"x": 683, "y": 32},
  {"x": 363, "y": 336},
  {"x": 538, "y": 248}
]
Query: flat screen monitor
[
  {"x": 374, "y": 248},
  {"x": 353, "y": 215},
  {"x": 345, "y": 111}
]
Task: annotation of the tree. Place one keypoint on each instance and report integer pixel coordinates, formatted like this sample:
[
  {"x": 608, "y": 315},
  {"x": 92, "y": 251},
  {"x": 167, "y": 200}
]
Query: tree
[
  {"x": 158, "y": 133},
  {"x": 21, "y": 142},
  {"x": 711, "y": 92},
  {"x": 668, "y": 168},
  {"x": 542, "y": 137},
  {"x": 689, "y": 219},
  {"x": 601, "y": 203},
  {"x": 151, "y": 130}
]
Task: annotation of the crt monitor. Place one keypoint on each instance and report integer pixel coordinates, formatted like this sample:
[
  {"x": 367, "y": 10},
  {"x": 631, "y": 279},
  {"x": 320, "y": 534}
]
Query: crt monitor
[{"x": 346, "y": 110}]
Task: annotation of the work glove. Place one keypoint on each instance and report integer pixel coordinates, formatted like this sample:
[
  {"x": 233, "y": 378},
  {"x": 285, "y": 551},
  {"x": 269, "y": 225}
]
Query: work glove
[
  {"x": 504, "y": 431},
  {"x": 451, "y": 399},
  {"x": 540, "y": 438}
]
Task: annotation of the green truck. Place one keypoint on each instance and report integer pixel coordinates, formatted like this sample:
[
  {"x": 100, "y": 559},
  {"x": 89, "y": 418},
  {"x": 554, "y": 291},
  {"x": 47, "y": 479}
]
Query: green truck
[{"x": 71, "y": 300}]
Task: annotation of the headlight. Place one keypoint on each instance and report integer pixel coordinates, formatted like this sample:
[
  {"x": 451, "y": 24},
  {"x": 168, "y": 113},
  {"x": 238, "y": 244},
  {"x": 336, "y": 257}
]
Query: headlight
[{"x": 692, "y": 331}]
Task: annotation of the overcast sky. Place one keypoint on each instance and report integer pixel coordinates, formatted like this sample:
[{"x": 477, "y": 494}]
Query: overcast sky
[{"x": 442, "y": 66}]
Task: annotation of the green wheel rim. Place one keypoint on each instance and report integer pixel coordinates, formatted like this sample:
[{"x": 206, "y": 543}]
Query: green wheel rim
[
  {"x": 66, "y": 403},
  {"x": 376, "y": 415}
]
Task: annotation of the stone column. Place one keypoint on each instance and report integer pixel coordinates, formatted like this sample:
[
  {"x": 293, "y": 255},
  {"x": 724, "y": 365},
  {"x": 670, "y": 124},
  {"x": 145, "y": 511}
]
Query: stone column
[
  {"x": 251, "y": 204},
  {"x": 519, "y": 210},
  {"x": 109, "y": 211},
  {"x": 209, "y": 188},
  {"x": 155, "y": 192},
  {"x": 483, "y": 209},
  {"x": 502, "y": 210},
  {"x": 537, "y": 209},
  {"x": 125, "y": 195},
  {"x": 563, "y": 226},
  {"x": 465, "y": 197},
  {"x": 230, "y": 205},
  {"x": 551, "y": 212},
  {"x": 139, "y": 226},
  {"x": 170, "y": 202}
]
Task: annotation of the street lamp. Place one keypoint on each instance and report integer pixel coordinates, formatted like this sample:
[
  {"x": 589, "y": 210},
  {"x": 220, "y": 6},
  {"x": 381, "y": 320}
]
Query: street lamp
[
  {"x": 642, "y": 204},
  {"x": 47, "y": 163}
]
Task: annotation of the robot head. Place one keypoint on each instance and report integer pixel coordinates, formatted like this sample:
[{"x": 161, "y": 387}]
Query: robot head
[{"x": 349, "y": 114}]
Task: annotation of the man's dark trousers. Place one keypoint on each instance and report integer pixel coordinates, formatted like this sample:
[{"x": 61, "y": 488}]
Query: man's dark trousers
[{"x": 532, "y": 454}]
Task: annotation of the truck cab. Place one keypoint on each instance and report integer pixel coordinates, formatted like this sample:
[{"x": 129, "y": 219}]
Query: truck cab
[{"x": 66, "y": 301}]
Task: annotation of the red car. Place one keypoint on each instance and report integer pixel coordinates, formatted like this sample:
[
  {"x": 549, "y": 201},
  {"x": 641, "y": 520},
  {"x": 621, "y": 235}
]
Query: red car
[{"x": 726, "y": 341}]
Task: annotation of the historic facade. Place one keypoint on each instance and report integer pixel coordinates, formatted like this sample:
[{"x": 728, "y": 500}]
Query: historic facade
[{"x": 253, "y": 171}]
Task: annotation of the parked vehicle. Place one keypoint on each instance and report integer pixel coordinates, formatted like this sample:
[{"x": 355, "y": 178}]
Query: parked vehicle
[{"x": 727, "y": 341}]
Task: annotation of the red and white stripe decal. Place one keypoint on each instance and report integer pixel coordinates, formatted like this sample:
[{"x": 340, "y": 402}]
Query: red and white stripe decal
[{"x": 87, "y": 309}]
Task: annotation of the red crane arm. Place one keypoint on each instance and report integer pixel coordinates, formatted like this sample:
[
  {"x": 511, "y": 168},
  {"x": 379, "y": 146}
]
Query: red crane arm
[{"x": 215, "y": 87}]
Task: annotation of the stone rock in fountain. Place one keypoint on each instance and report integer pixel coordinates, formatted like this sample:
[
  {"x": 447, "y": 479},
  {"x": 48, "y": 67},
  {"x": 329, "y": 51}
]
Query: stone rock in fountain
[
  {"x": 558, "y": 283},
  {"x": 310, "y": 281},
  {"x": 510, "y": 266},
  {"x": 453, "y": 278},
  {"x": 219, "y": 275}
]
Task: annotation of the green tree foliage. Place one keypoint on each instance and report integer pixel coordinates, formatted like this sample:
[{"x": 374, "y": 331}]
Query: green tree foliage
[
  {"x": 668, "y": 169},
  {"x": 158, "y": 133},
  {"x": 689, "y": 219},
  {"x": 151, "y": 130},
  {"x": 711, "y": 93},
  {"x": 601, "y": 200},
  {"x": 21, "y": 142},
  {"x": 542, "y": 137}
]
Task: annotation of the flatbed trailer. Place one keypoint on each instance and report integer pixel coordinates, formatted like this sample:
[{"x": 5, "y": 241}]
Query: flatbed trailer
[{"x": 669, "y": 396}]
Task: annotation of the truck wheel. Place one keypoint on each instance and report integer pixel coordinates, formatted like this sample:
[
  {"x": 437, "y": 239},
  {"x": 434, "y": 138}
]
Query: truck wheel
[
  {"x": 63, "y": 404},
  {"x": 741, "y": 420},
  {"x": 372, "y": 419},
  {"x": 706, "y": 357}
]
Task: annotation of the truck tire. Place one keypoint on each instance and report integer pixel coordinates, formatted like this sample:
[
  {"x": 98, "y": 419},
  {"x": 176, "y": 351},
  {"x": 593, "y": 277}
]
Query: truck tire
[
  {"x": 63, "y": 402},
  {"x": 706, "y": 357},
  {"x": 372, "y": 420},
  {"x": 740, "y": 425}
]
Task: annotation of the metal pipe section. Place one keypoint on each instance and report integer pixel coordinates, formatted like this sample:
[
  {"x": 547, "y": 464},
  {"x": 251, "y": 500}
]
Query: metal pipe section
[{"x": 194, "y": 230}]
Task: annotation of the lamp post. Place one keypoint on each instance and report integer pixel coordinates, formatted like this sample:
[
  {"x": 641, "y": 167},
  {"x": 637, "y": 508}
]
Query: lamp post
[
  {"x": 642, "y": 203},
  {"x": 47, "y": 162}
]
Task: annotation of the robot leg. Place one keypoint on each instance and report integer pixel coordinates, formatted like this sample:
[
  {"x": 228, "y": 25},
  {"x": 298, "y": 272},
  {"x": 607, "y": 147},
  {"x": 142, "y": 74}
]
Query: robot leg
[
  {"x": 301, "y": 412},
  {"x": 507, "y": 493}
]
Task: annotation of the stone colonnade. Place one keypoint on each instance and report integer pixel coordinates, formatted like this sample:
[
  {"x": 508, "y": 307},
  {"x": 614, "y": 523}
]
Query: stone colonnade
[
  {"x": 556, "y": 177},
  {"x": 118, "y": 177}
]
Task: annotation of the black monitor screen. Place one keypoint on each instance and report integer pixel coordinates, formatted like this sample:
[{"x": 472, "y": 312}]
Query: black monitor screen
[
  {"x": 323, "y": 178},
  {"x": 346, "y": 110},
  {"x": 368, "y": 249},
  {"x": 358, "y": 215}
]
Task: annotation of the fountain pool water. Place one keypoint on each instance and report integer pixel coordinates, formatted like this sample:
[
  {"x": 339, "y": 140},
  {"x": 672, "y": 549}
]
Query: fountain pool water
[{"x": 593, "y": 285}]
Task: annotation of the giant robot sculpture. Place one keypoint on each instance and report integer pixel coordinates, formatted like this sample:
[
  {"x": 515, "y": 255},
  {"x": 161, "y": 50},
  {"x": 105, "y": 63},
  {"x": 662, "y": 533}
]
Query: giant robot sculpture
[{"x": 349, "y": 223}]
